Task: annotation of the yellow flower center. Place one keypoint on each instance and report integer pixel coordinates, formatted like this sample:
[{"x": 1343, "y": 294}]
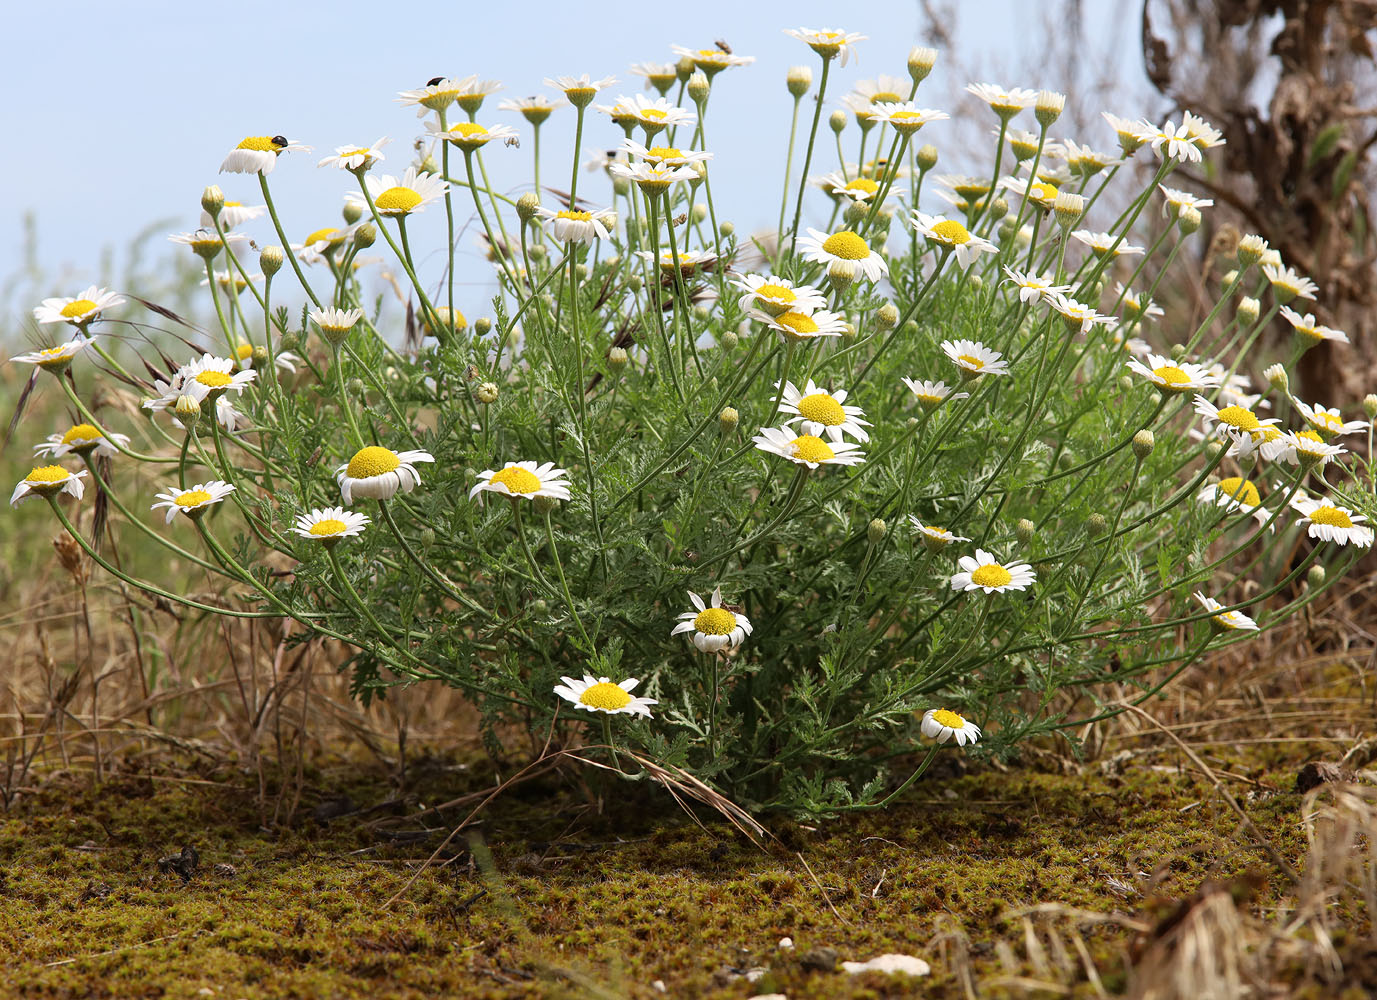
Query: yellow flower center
[
  {"x": 606, "y": 695},
  {"x": 929, "y": 398},
  {"x": 777, "y": 292},
  {"x": 1326, "y": 422},
  {"x": 949, "y": 719},
  {"x": 397, "y": 199},
  {"x": 259, "y": 143},
  {"x": 56, "y": 353},
  {"x": 970, "y": 361},
  {"x": 822, "y": 408},
  {"x": 81, "y": 434},
  {"x": 565, "y": 213},
  {"x": 329, "y": 526},
  {"x": 661, "y": 153},
  {"x": 886, "y": 97},
  {"x": 79, "y": 307},
  {"x": 193, "y": 498},
  {"x": 1331, "y": 516},
  {"x": 329, "y": 235},
  {"x": 576, "y": 94},
  {"x": 654, "y": 114},
  {"x": 1042, "y": 191},
  {"x": 801, "y": 324},
  {"x": 47, "y": 474},
  {"x": 243, "y": 352},
  {"x": 517, "y": 479},
  {"x": 991, "y": 575},
  {"x": 715, "y": 621},
  {"x": 1240, "y": 489},
  {"x": 467, "y": 129},
  {"x": 372, "y": 461},
  {"x": 214, "y": 379},
  {"x": 846, "y": 245},
  {"x": 1172, "y": 376},
  {"x": 1310, "y": 436},
  {"x": 863, "y": 184},
  {"x": 809, "y": 448},
  {"x": 1239, "y": 417},
  {"x": 951, "y": 231},
  {"x": 970, "y": 189}
]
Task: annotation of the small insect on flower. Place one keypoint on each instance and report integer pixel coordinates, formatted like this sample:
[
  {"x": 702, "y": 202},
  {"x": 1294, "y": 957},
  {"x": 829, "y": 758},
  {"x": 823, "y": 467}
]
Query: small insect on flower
[
  {"x": 934, "y": 537},
  {"x": 523, "y": 480},
  {"x": 822, "y": 411},
  {"x": 711, "y": 61},
  {"x": 599, "y": 694},
  {"x": 941, "y": 725},
  {"x": 974, "y": 359},
  {"x": 330, "y": 524},
  {"x": 258, "y": 154},
  {"x": 807, "y": 449},
  {"x": 713, "y": 626},
  {"x": 55, "y": 359},
  {"x": 952, "y": 235},
  {"x": 846, "y": 247},
  {"x": 46, "y": 481},
  {"x": 356, "y": 157},
  {"x": 985, "y": 572},
  {"x": 775, "y": 295},
  {"x": 1331, "y": 523},
  {"x": 79, "y": 311},
  {"x": 82, "y": 439},
  {"x": 192, "y": 502},
  {"x": 379, "y": 473},
  {"x": 931, "y": 395},
  {"x": 437, "y": 95},
  {"x": 1172, "y": 377},
  {"x": 1226, "y": 621},
  {"x": 535, "y": 109}
]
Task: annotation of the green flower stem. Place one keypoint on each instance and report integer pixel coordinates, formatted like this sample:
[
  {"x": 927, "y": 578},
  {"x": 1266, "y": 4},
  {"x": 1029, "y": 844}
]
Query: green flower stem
[
  {"x": 343, "y": 398},
  {"x": 788, "y": 169},
  {"x": 94, "y": 422},
  {"x": 790, "y": 502},
  {"x": 785, "y": 370},
  {"x": 450, "y": 591},
  {"x": 535, "y": 157},
  {"x": 896, "y": 158},
  {"x": 1108, "y": 541},
  {"x": 683, "y": 307},
  {"x": 282, "y": 236},
  {"x": 652, "y": 281},
  {"x": 578, "y": 149},
  {"x": 403, "y": 257},
  {"x": 243, "y": 273},
  {"x": 498, "y": 252},
  {"x": 976, "y": 213},
  {"x": 908, "y": 313},
  {"x": 140, "y": 524},
  {"x": 526, "y": 548},
  {"x": 1028, "y": 187},
  {"x": 808, "y": 156},
  {"x": 574, "y": 311},
  {"x": 564, "y": 585},
  {"x": 917, "y": 773},
  {"x": 449, "y": 218}
]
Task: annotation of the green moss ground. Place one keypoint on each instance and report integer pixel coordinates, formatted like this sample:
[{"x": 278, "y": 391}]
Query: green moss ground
[{"x": 579, "y": 903}]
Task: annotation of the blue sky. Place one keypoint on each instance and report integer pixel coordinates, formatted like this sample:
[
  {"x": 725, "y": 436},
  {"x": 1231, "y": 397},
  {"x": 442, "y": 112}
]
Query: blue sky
[{"x": 128, "y": 108}]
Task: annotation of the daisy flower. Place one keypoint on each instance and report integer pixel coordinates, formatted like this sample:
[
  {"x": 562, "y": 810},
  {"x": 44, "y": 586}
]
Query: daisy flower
[
  {"x": 1236, "y": 494},
  {"x": 1004, "y": 103},
  {"x": 1102, "y": 244},
  {"x": 795, "y": 325},
  {"x": 378, "y": 473},
  {"x": 330, "y": 524},
  {"x": 665, "y": 156},
  {"x": 523, "y": 479},
  {"x": 207, "y": 244},
  {"x": 285, "y": 360},
  {"x": 437, "y": 95},
  {"x": 78, "y": 311},
  {"x": 843, "y": 246},
  {"x": 775, "y": 295},
  {"x": 1079, "y": 316},
  {"x": 1084, "y": 161},
  {"x": 258, "y": 154},
  {"x": 660, "y": 76},
  {"x": 884, "y": 89},
  {"x": 473, "y": 91},
  {"x": 940, "y": 725},
  {"x": 651, "y": 114},
  {"x": 953, "y": 235},
  {"x": 54, "y": 358},
  {"x": 1288, "y": 284},
  {"x": 1329, "y": 422},
  {"x": 712, "y": 61},
  {"x": 807, "y": 449},
  {"x": 534, "y": 109},
  {"x": 231, "y": 283},
  {"x": 469, "y": 136},
  {"x": 233, "y": 213},
  {"x": 1171, "y": 377},
  {"x": 1305, "y": 327},
  {"x": 1170, "y": 140},
  {"x": 1033, "y": 288},
  {"x": 713, "y": 626},
  {"x": 934, "y": 538},
  {"x": 686, "y": 261},
  {"x": 827, "y": 43},
  {"x": 1226, "y": 621},
  {"x": 1307, "y": 448},
  {"x": 192, "y": 502},
  {"x": 356, "y": 157},
  {"x": 1130, "y": 132},
  {"x": 46, "y": 481},
  {"x": 1201, "y": 132},
  {"x": 1331, "y": 523},
  {"x": 821, "y": 411},
  {"x": 862, "y": 189},
  {"x": 599, "y": 694},
  {"x": 974, "y": 359},
  {"x": 320, "y": 245},
  {"x": 1137, "y": 306},
  {"x": 82, "y": 439},
  {"x": 1239, "y": 422},
  {"x": 393, "y": 197},
  {"x": 574, "y": 226},
  {"x": 985, "y": 572},
  {"x": 931, "y": 395},
  {"x": 905, "y": 117},
  {"x": 1175, "y": 200},
  {"x": 652, "y": 178},
  {"x": 1035, "y": 189},
  {"x": 580, "y": 90},
  {"x": 335, "y": 324},
  {"x": 213, "y": 375},
  {"x": 225, "y": 414}
]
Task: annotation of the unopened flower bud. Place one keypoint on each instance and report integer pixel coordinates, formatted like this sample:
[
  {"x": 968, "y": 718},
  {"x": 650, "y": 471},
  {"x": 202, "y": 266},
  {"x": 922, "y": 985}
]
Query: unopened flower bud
[
  {"x": 855, "y": 213},
  {"x": 1065, "y": 460},
  {"x": 1024, "y": 530},
  {"x": 1277, "y": 377},
  {"x": 355, "y": 387},
  {"x": 684, "y": 69},
  {"x": 1250, "y": 249},
  {"x": 527, "y": 205},
  {"x": 848, "y": 332},
  {"x": 482, "y": 325},
  {"x": 621, "y": 186},
  {"x": 428, "y": 165},
  {"x": 537, "y": 251},
  {"x": 999, "y": 208},
  {"x": 366, "y": 235},
  {"x": 1189, "y": 220},
  {"x": 1248, "y": 310},
  {"x": 875, "y": 531},
  {"x": 698, "y": 213},
  {"x": 1048, "y": 107},
  {"x": 837, "y": 121},
  {"x": 581, "y": 271},
  {"x": 975, "y": 281},
  {"x": 260, "y": 355},
  {"x": 188, "y": 409},
  {"x": 1213, "y": 448},
  {"x": 617, "y": 359},
  {"x": 540, "y": 607},
  {"x": 1143, "y": 443},
  {"x": 1230, "y": 277},
  {"x": 798, "y": 81},
  {"x": 1370, "y": 405},
  {"x": 270, "y": 260},
  {"x": 1069, "y": 208},
  {"x": 634, "y": 282},
  {"x": 352, "y": 212},
  {"x": 212, "y": 200},
  {"x": 729, "y": 340},
  {"x": 1125, "y": 383},
  {"x": 887, "y": 316},
  {"x": 698, "y": 88},
  {"x": 726, "y": 229},
  {"x": 543, "y": 505},
  {"x": 920, "y": 62},
  {"x": 728, "y": 419},
  {"x": 701, "y": 313},
  {"x": 1096, "y": 525},
  {"x": 1178, "y": 351},
  {"x": 486, "y": 393},
  {"x": 927, "y": 157},
  {"x": 1315, "y": 576},
  {"x": 288, "y": 342}
]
